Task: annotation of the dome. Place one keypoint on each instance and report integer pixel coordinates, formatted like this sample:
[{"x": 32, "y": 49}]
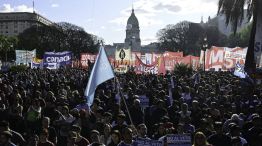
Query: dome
[{"x": 133, "y": 20}]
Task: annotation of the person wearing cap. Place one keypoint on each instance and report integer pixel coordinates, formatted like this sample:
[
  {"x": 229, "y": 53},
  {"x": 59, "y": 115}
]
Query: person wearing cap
[{"x": 5, "y": 139}]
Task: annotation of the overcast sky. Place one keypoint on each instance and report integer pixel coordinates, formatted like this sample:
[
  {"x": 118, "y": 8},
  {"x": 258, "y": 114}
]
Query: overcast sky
[{"x": 107, "y": 18}]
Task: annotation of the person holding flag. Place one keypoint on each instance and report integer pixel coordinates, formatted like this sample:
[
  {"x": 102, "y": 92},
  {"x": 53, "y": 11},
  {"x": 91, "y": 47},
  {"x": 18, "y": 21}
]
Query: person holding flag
[{"x": 101, "y": 72}]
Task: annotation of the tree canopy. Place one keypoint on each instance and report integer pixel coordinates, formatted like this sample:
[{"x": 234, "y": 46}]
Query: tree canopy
[{"x": 60, "y": 37}]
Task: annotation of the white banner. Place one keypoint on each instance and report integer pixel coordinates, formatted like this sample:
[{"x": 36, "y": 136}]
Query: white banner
[{"x": 24, "y": 56}]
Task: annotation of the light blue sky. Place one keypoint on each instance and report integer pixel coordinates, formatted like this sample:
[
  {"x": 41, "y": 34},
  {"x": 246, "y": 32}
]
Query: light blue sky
[{"x": 107, "y": 18}]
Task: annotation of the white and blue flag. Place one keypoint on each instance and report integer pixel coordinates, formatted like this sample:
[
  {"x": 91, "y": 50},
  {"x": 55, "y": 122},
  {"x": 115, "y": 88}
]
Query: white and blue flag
[
  {"x": 239, "y": 71},
  {"x": 101, "y": 72}
]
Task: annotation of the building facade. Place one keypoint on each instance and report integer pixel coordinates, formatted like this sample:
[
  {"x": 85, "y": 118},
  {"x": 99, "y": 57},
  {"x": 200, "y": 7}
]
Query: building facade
[
  {"x": 133, "y": 33},
  {"x": 12, "y": 24}
]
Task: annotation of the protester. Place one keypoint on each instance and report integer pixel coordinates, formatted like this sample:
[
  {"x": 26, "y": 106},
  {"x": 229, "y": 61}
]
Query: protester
[{"x": 34, "y": 99}]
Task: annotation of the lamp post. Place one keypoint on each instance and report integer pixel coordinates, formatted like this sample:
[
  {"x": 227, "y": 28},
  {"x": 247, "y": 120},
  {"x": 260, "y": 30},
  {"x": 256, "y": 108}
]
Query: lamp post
[{"x": 205, "y": 45}]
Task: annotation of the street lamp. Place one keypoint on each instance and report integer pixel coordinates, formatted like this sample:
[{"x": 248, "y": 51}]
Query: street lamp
[{"x": 205, "y": 46}]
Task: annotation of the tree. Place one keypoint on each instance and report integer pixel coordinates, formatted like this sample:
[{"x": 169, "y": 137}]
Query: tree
[
  {"x": 7, "y": 47},
  {"x": 41, "y": 38},
  {"x": 183, "y": 36},
  {"x": 234, "y": 12},
  {"x": 77, "y": 40},
  {"x": 59, "y": 37},
  {"x": 241, "y": 38}
]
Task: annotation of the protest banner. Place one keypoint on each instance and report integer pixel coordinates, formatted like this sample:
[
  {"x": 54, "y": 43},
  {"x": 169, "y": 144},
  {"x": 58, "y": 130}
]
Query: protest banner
[
  {"x": 61, "y": 58},
  {"x": 178, "y": 140},
  {"x": 24, "y": 56}
]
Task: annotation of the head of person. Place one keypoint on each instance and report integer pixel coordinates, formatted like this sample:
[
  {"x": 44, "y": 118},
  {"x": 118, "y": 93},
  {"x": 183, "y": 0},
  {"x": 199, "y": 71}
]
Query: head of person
[
  {"x": 94, "y": 136},
  {"x": 107, "y": 117},
  {"x": 121, "y": 119},
  {"x": 234, "y": 130},
  {"x": 142, "y": 130},
  {"x": 107, "y": 129},
  {"x": 200, "y": 139},
  {"x": 71, "y": 138},
  {"x": 127, "y": 135},
  {"x": 33, "y": 140},
  {"x": 45, "y": 122},
  {"x": 44, "y": 135},
  {"x": 236, "y": 141},
  {"x": 76, "y": 129},
  {"x": 115, "y": 135},
  {"x": 256, "y": 120},
  {"x": 218, "y": 127},
  {"x": 184, "y": 108},
  {"x": 5, "y": 137}
]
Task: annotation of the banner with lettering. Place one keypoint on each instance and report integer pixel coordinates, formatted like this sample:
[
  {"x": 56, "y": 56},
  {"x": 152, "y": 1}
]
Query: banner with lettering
[
  {"x": 24, "y": 56},
  {"x": 147, "y": 142},
  {"x": 224, "y": 58},
  {"x": 61, "y": 58},
  {"x": 85, "y": 57},
  {"x": 178, "y": 140}
]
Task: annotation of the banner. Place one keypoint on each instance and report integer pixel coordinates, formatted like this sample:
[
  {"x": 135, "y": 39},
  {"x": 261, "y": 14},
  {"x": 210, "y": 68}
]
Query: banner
[
  {"x": 85, "y": 57},
  {"x": 147, "y": 142},
  {"x": 178, "y": 140},
  {"x": 123, "y": 56},
  {"x": 52, "y": 65},
  {"x": 61, "y": 58},
  {"x": 36, "y": 63},
  {"x": 171, "y": 59},
  {"x": 24, "y": 56},
  {"x": 223, "y": 58}
]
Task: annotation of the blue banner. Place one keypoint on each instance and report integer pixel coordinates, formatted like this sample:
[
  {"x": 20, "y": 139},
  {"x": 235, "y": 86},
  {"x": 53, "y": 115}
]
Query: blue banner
[
  {"x": 61, "y": 58},
  {"x": 178, "y": 140},
  {"x": 147, "y": 142}
]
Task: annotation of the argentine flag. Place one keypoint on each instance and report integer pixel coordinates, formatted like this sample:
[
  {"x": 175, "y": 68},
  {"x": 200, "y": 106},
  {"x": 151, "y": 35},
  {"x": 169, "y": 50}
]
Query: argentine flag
[
  {"x": 239, "y": 71},
  {"x": 101, "y": 72}
]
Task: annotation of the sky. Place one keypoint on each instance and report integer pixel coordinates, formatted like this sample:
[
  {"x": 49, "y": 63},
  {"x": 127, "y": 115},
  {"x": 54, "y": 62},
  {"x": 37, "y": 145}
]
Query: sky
[{"x": 107, "y": 18}]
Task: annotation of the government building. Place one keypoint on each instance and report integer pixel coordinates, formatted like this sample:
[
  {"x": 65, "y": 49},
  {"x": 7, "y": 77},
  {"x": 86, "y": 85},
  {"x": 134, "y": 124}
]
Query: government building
[
  {"x": 132, "y": 39},
  {"x": 12, "y": 24}
]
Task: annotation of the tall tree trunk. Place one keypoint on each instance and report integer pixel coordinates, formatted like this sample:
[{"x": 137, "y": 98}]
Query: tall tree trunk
[
  {"x": 252, "y": 52},
  {"x": 258, "y": 37}
]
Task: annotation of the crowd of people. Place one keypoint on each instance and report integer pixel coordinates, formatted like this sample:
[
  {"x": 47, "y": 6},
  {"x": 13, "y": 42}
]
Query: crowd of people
[{"x": 48, "y": 108}]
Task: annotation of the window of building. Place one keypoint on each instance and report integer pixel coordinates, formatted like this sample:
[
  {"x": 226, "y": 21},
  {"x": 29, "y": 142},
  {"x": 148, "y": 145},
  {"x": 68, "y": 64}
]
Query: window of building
[
  {"x": 6, "y": 26},
  {"x": 6, "y": 32},
  {"x": 15, "y": 31}
]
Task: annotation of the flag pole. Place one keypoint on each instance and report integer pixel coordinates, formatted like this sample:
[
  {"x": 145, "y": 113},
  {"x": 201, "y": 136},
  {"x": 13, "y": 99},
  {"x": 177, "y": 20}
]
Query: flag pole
[{"x": 124, "y": 101}]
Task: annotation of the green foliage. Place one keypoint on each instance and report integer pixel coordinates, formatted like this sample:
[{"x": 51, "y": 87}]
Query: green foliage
[
  {"x": 60, "y": 37},
  {"x": 7, "y": 47},
  {"x": 188, "y": 37},
  {"x": 18, "y": 68},
  {"x": 241, "y": 38},
  {"x": 183, "y": 69}
]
